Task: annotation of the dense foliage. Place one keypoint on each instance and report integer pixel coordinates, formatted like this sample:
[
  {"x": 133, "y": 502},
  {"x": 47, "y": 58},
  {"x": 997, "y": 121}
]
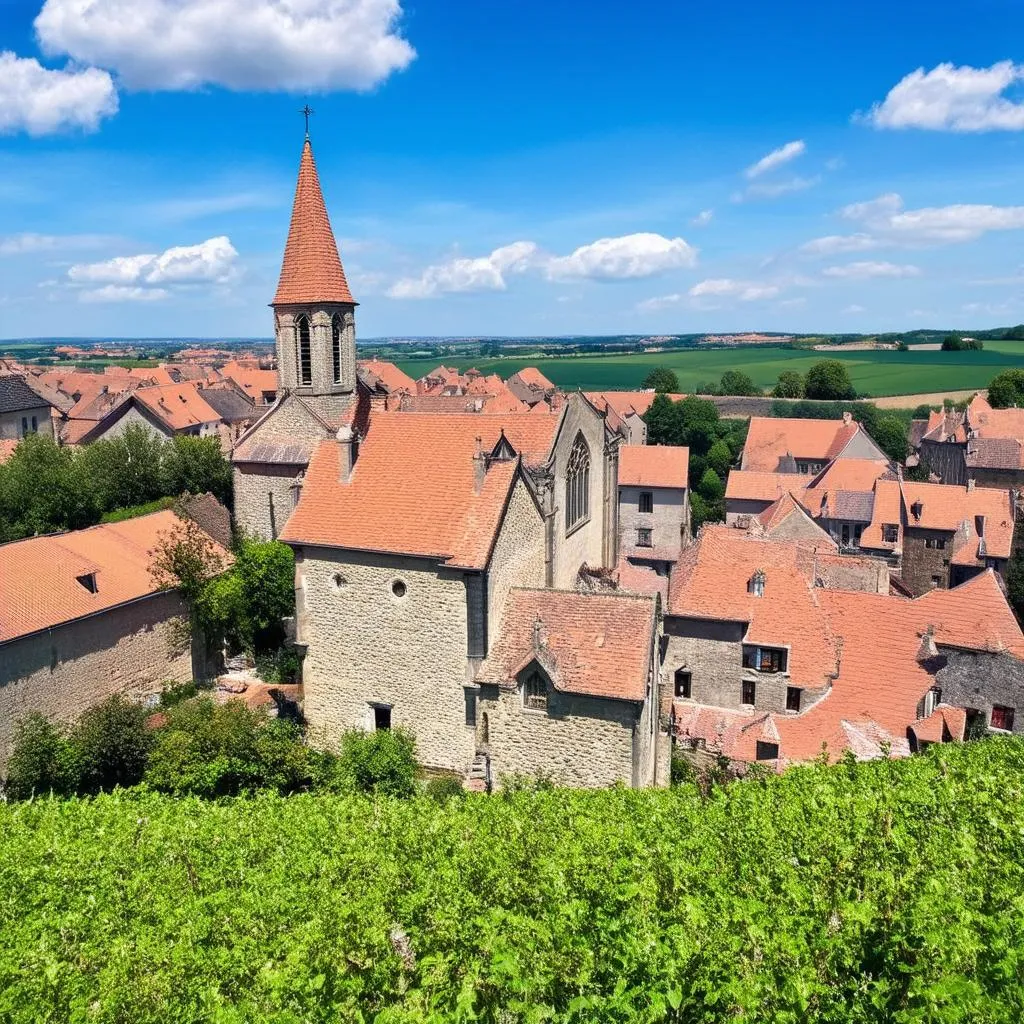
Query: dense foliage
[
  {"x": 714, "y": 445},
  {"x": 829, "y": 381},
  {"x": 955, "y": 343},
  {"x": 890, "y": 891},
  {"x": 789, "y": 385},
  {"x": 45, "y": 487},
  {"x": 661, "y": 379},
  {"x": 1006, "y": 389}
]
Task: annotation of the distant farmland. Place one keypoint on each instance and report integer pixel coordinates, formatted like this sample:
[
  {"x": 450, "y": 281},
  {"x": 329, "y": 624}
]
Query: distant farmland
[{"x": 872, "y": 373}]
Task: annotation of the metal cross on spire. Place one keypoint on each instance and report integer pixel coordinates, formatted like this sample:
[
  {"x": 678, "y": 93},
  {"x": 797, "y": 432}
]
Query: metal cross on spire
[{"x": 307, "y": 110}]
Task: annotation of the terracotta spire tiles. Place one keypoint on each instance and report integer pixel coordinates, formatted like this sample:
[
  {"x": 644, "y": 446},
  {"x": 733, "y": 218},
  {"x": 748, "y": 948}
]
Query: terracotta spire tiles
[{"x": 311, "y": 270}]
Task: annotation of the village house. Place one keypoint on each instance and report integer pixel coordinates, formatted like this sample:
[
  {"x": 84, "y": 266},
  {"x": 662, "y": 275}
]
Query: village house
[
  {"x": 804, "y": 446},
  {"x": 654, "y": 504},
  {"x": 98, "y": 626},
  {"x": 25, "y": 407},
  {"x": 626, "y": 411}
]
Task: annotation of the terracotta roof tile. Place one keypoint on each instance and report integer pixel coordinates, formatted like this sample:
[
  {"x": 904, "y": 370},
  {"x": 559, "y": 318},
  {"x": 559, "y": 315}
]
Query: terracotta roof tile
[
  {"x": 253, "y": 381},
  {"x": 391, "y": 377},
  {"x": 653, "y": 466},
  {"x": 624, "y": 403},
  {"x": 750, "y": 485},
  {"x": 594, "y": 644},
  {"x": 533, "y": 378},
  {"x": 769, "y": 439},
  {"x": 311, "y": 270},
  {"x": 7, "y": 447},
  {"x": 951, "y": 508},
  {"x": 180, "y": 406},
  {"x": 412, "y": 490},
  {"x": 38, "y": 584}
]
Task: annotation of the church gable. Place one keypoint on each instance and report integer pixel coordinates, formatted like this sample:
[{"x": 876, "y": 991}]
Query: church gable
[{"x": 289, "y": 432}]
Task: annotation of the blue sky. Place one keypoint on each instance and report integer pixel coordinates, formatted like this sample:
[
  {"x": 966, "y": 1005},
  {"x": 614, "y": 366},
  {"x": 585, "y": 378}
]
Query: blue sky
[{"x": 527, "y": 168}]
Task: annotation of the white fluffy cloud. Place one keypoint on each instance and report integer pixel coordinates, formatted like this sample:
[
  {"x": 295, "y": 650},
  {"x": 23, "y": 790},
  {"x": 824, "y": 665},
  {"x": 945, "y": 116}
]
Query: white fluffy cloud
[
  {"x": 832, "y": 244},
  {"x": 629, "y": 256},
  {"x": 212, "y": 261},
  {"x": 464, "y": 274},
  {"x": 727, "y": 287},
  {"x": 953, "y": 99},
  {"x": 776, "y": 158},
  {"x": 867, "y": 269},
  {"x": 123, "y": 293},
  {"x": 43, "y": 101},
  {"x": 259, "y": 45}
]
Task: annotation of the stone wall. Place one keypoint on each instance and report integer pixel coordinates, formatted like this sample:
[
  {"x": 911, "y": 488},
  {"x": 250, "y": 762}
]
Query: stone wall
[
  {"x": 264, "y": 497},
  {"x": 920, "y": 563},
  {"x": 578, "y": 741},
  {"x": 321, "y": 348},
  {"x": 1005, "y": 479},
  {"x": 366, "y": 646},
  {"x": 64, "y": 671},
  {"x": 665, "y": 522},
  {"x": 11, "y": 425},
  {"x": 977, "y": 680}
]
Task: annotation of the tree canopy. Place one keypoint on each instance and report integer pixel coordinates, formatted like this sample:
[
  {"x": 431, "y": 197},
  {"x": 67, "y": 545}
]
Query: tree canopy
[
  {"x": 662, "y": 380},
  {"x": 829, "y": 380},
  {"x": 1006, "y": 389},
  {"x": 789, "y": 385}
]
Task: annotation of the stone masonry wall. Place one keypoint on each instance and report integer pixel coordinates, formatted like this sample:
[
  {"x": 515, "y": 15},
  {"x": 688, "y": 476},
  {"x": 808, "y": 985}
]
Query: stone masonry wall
[
  {"x": 66, "y": 670},
  {"x": 10, "y": 422},
  {"x": 263, "y": 497},
  {"x": 518, "y": 556},
  {"x": 367, "y": 646},
  {"x": 665, "y": 522},
  {"x": 975, "y": 680},
  {"x": 578, "y": 741},
  {"x": 921, "y": 563}
]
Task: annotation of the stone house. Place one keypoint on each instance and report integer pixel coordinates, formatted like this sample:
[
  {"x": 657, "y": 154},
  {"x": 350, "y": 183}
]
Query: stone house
[
  {"x": 804, "y": 446},
  {"x": 23, "y": 408},
  {"x": 80, "y": 619},
  {"x": 654, "y": 503}
]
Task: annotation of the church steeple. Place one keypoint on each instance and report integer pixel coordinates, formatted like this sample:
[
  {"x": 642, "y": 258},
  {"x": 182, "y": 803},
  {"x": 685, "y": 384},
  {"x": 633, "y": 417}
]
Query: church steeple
[{"x": 314, "y": 311}]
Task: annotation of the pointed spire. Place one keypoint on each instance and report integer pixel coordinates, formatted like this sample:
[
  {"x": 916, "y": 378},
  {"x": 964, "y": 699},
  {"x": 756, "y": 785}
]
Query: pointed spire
[{"x": 311, "y": 270}]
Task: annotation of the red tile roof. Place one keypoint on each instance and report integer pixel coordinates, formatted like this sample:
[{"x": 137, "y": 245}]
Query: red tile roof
[
  {"x": 593, "y": 644},
  {"x": 533, "y": 378},
  {"x": 253, "y": 381},
  {"x": 769, "y": 439},
  {"x": 412, "y": 490},
  {"x": 392, "y": 378},
  {"x": 7, "y": 449},
  {"x": 38, "y": 584},
  {"x": 750, "y": 485},
  {"x": 179, "y": 406},
  {"x": 311, "y": 270},
  {"x": 653, "y": 466},
  {"x": 625, "y": 403}
]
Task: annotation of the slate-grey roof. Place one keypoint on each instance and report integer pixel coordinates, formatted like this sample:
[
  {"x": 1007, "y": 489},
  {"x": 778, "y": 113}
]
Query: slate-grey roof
[
  {"x": 994, "y": 453},
  {"x": 857, "y": 506},
  {"x": 229, "y": 404},
  {"x": 287, "y": 454},
  {"x": 15, "y": 394}
]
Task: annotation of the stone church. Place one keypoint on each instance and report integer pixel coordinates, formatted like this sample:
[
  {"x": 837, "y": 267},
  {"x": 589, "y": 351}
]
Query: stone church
[{"x": 450, "y": 567}]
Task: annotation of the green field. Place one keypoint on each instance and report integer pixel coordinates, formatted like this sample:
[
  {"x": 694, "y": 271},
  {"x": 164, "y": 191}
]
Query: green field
[{"x": 873, "y": 373}]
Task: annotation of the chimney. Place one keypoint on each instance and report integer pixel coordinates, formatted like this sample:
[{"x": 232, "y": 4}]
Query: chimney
[
  {"x": 847, "y": 418},
  {"x": 970, "y": 485},
  {"x": 479, "y": 466},
  {"x": 927, "y": 650},
  {"x": 346, "y": 444}
]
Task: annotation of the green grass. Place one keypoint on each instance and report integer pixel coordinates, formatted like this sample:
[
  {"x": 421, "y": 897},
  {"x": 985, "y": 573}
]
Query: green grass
[{"x": 874, "y": 373}]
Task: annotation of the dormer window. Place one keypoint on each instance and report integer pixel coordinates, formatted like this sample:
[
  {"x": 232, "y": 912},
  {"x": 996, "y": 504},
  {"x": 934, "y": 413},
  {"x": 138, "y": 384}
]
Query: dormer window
[
  {"x": 88, "y": 580},
  {"x": 755, "y": 585},
  {"x": 917, "y": 508},
  {"x": 890, "y": 533},
  {"x": 535, "y": 691}
]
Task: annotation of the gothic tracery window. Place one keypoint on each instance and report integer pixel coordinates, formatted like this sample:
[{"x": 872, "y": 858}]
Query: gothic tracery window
[
  {"x": 337, "y": 326},
  {"x": 577, "y": 484},
  {"x": 304, "y": 350}
]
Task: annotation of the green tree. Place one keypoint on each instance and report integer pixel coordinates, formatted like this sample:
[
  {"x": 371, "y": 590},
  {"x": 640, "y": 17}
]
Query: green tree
[
  {"x": 789, "y": 385},
  {"x": 829, "y": 380},
  {"x": 711, "y": 488},
  {"x": 382, "y": 762},
  {"x": 266, "y": 573},
  {"x": 125, "y": 470},
  {"x": 719, "y": 458},
  {"x": 662, "y": 379},
  {"x": 890, "y": 434},
  {"x": 111, "y": 743},
  {"x": 42, "y": 761},
  {"x": 1005, "y": 390},
  {"x": 735, "y": 382},
  {"x": 196, "y": 465},
  {"x": 664, "y": 425}
]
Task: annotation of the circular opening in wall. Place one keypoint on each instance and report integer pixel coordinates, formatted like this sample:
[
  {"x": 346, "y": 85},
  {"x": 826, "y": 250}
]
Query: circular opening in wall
[
  {"x": 340, "y": 583},
  {"x": 398, "y": 588}
]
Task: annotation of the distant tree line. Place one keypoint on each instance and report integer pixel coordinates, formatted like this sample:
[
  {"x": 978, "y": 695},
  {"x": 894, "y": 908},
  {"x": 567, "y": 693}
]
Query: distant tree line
[
  {"x": 46, "y": 487},
  {"x": 827, "y": 380},
  {"x": 954, "y": 343}
]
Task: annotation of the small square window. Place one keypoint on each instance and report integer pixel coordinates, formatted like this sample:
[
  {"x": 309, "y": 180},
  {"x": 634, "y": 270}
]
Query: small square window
[
  {"x": 1002, "y": 718},
  {"x": 936, "y": 581},
  {"x": 646, "y": 501},
  {"x": 793, "y": 698},
  {"x": 890, "y": 533},
  {"x": 643, "y": 538},
  {"x": 767, "y": 751},
  {"x": 748, "y": 693},
  {"x": 683, "y": 682},
  {"x": 381, "y": 717}
]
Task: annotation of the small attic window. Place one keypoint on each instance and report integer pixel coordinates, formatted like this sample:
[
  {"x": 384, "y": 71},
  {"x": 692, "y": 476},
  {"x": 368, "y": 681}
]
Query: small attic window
[
  {"x": 755, "y": 585},
  {"x": 917, "y": 508},
  {"x": 88, "y": 580}
]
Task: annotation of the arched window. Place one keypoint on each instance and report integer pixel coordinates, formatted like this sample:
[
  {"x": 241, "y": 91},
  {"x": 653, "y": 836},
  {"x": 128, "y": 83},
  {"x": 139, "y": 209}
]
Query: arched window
[
  {"x": 577, "y": 484},
  {"x": 535, "y": 692},
  {"x": 337, "y": 326},
  {"x": 304, "y": 350}
]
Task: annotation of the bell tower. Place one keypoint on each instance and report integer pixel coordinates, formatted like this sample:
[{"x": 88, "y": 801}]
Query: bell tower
[{"x": 314, "y": 311}]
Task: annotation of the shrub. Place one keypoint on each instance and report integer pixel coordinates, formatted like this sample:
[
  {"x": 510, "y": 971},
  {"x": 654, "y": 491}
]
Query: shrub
[
  {"x": 118, "y": 515},
  {"x": 444, "y": 788},
  {"x": 789, "y": 385},
  {"x": 735, "y": 382},
  {"x": 111, "y": 742},
  {"x": 281, "y": 666},
  {"x": 211, "y": 749},
  {"x": 42, "y": 761},
  {"x": 383, "y": 761}
]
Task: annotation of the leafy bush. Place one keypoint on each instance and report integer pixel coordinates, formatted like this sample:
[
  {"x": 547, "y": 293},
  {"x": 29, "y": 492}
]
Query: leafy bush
[
  {"x": 874, "y": 892},
  {"x": 383, "y": 762},
  {"x": 789, "y": 385},
  {"x": 209, "y": 749},
  {"x": 444, "y": 788},
  {"x": 111, "y": 743},
  {"x": 118, "y": 515},
  {"x": 661, "y": 378},
  {"x": 42, "y": 761},
  {"x": 829, "y": 380},
  {"x": 281, "y": 666}
]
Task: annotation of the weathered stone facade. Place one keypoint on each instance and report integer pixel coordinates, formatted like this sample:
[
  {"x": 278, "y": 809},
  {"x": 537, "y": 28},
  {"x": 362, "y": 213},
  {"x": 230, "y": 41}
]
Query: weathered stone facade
[
  {"x": 264, "y": 497},
  {"x": 17, "y": 424},
  {"x": 977, "y": 681},
  {"x": 63, "y": 671},
  {"x": 925, "y": 568},
  {"x": 668, "y": 521}
]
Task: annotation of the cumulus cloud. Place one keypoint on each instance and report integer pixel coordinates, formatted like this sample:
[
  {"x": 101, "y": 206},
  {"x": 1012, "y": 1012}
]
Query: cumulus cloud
[
  {"x": 43, "y": 101},
  {"x": 776, "y": 158},
  {"x": 463, "y": 274},
  {"x": 832, "y": 244},
  {"x": 953, "y": 99},
  {"x": 703, "y": 219},
  {"x": 212, "y": 261},
  {"x": 31, "y": 242},
  {"x": 122, "y": 293},
  {"x": 258, "y": 45},
  {"x": 745, "y": 291},
  {"x": 629, "y": 256},
  {"x": 867, "y": 269}
]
